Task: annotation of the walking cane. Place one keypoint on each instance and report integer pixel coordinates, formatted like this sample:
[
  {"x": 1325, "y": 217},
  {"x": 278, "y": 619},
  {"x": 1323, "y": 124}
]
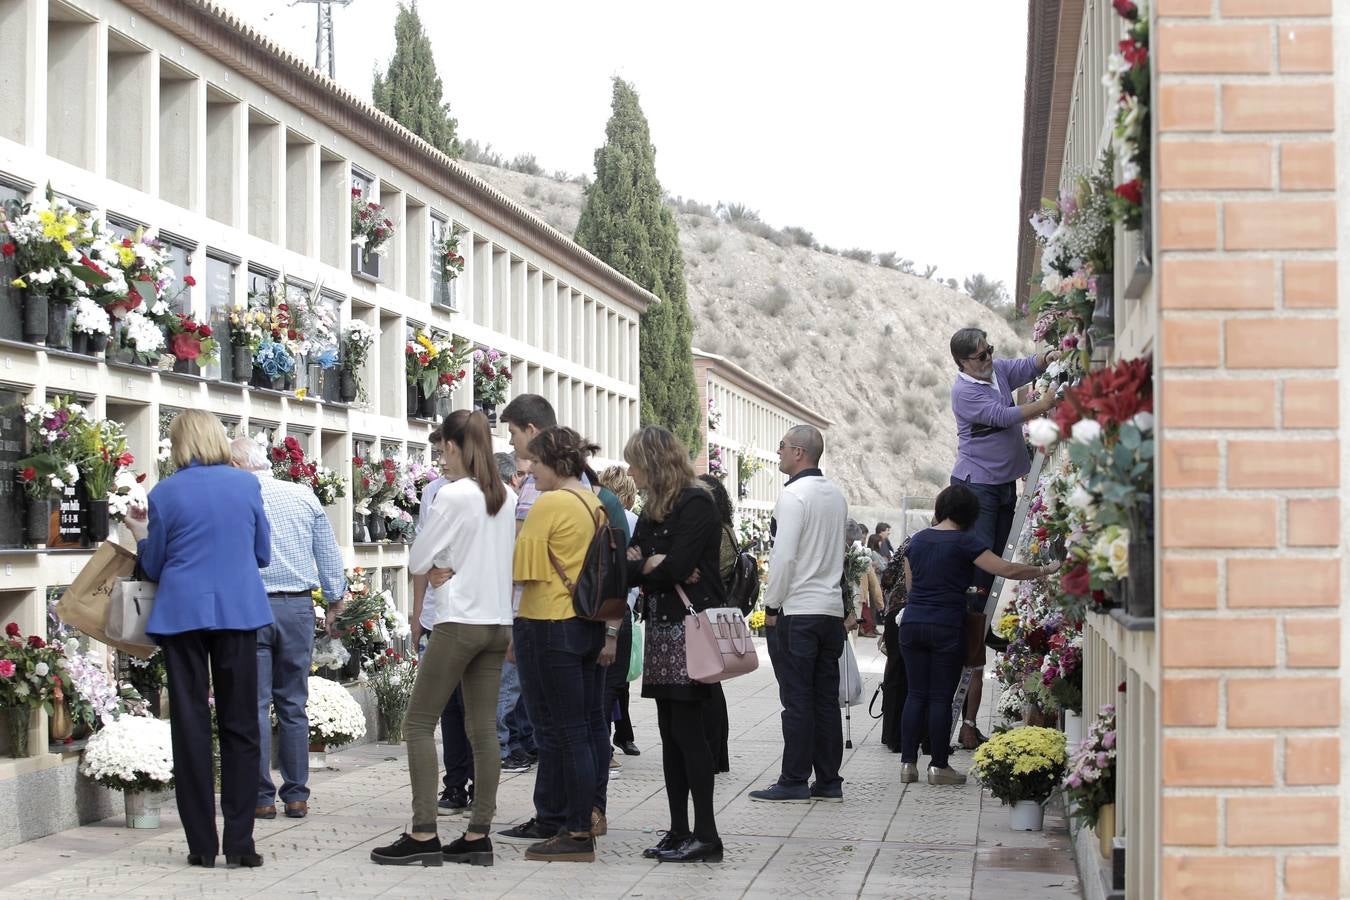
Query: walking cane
[{"x": 848, "y": 710}]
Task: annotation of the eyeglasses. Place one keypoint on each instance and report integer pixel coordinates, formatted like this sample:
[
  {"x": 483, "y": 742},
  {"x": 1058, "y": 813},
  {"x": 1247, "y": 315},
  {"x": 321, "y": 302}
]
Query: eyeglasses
[
  {"x": 984, "y": 355},
  {"x": 782, "y": 445}
]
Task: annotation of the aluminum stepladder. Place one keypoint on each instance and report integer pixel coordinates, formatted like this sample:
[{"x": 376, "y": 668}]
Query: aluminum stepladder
[{"x": 1019, "y": 524}]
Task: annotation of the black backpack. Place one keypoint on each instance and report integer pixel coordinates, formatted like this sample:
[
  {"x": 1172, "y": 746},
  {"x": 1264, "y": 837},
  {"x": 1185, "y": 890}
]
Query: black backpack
[
  {"x": 743, "y": 584},
  {"x": 600, "y": 592}
]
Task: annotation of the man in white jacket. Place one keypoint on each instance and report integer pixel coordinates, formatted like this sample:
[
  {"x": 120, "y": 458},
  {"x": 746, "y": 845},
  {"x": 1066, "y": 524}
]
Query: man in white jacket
[{"x": 805, "y": 605}]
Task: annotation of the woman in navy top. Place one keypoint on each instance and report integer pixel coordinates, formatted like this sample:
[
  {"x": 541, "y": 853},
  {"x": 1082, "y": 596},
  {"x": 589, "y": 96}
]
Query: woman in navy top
[
  {"x": 203, "y": 539},
  {"x": 939, "y": 566}
]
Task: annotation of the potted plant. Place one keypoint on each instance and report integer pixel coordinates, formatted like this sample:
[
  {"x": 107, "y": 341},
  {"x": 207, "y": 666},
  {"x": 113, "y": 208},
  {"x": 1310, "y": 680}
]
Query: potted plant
[
  {"x": 272, "y": 364},
  {"x": 246, "y": 334},
  {"x": 29, "y": 675},
  {"x": 133, "y": 754},
  {"x": 491, "y": 380},
  {"x": 48, "y": 239},
  {"x": 1090, "y": 785},
  {"x": 357, "y": 339},
  {"x": 391, "y": 682},
  {"x": 50, "y": 465},
  {"x": 334, "y": 717},
  {"x": 371, "y": 227},
  {"x": 449, "y": 264},
  {"x": 90, "y": 328},
  {"x": 100, "y": 447},
  {"x": 1021, "y": 768}
]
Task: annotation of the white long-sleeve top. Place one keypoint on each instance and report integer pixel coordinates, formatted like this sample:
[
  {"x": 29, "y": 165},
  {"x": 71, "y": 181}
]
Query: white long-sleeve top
[
  {"x": 807, "y": 562},
  {"x": 458, "y": 534}
]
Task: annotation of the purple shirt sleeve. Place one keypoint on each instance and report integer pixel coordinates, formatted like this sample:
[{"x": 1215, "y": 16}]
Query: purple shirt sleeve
[
  {"x": 974, "y": 403},
  {"x": 1017, "y": 372}
]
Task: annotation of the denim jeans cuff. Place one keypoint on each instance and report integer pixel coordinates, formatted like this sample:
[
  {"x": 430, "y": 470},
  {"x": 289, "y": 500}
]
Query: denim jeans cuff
[{"x": 423, "y": 828}]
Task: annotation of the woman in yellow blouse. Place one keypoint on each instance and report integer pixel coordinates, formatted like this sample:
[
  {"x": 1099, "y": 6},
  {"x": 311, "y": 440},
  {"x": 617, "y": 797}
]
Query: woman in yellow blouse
[{"x": 557, "y": 653}]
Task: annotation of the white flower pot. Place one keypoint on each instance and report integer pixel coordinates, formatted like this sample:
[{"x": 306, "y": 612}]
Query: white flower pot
[
  {"x": 1027, "y": 815},
  {"x": 1073, "y": 729},
  {"x": 142, "y": 808}
]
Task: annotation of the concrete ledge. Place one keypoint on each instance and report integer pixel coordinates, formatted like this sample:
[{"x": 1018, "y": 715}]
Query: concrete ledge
[{"x": 1094, "y": 872}]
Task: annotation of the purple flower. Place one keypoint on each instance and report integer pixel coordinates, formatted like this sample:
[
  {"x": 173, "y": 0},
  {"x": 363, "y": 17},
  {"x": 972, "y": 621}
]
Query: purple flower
[
  {"x": 1109, "y": 740},
  {"x": 1075, "y": 781},
  {"x": 1102, "y": 760}
]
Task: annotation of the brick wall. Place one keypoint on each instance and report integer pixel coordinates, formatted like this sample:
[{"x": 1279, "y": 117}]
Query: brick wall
[{"x": 1250, "y": 459}]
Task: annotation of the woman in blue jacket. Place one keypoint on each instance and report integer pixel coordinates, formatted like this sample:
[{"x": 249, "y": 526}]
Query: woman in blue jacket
[{"x": 203, "y": 540}]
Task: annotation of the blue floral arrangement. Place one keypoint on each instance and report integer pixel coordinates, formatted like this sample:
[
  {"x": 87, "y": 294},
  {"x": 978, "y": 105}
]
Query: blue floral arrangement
[
  {"x": 327, "y": 358},
  {"x": 274, "y": 360}
]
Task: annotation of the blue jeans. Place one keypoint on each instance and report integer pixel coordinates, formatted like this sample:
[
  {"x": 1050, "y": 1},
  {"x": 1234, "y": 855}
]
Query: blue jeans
[
  {"x": 998, "y": 505},
  {"x": 285, "y": 650},
  {"x": 806, "y": 661},
  {"x": 933, "y": 657},
  {"x": 562, "y": 684},
  {"x": 514, "y": 733},
  {"x": 456, "y": 752}
]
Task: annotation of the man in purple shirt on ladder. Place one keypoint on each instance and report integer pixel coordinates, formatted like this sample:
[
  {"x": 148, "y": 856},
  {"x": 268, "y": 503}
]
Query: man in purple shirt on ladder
[{"x": 991, "y": 453}]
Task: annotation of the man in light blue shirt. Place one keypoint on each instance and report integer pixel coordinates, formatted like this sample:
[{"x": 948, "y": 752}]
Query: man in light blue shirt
[{"x": 305, "y": 557}]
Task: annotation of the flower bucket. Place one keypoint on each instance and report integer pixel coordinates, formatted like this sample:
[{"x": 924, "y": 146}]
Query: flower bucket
[
  {"x": 35, "y": 314},
  {"x": 490, "y": 410},
  {"x": 58, "y": 325},
  {"x": 347, "y": 386},
  {"x": 318, "y": 756},
  {"x": 1073, "y": 728},
  {"x": 426, "y": 406},
  {"x": 142, "y": 808},
  {"x": 1026, "y": 815},
  {"x": 1139, "y": 596},
  {"x": 17, "y": 719},
  {"x": 98, "y": 520},
  {"x": 376, "y": 528},
  {"x": 186, "y": 367},
  {"x": 241, "y": 364},
  {"x": 1106, "y": 829},
  {"x": 39, "y": 522}
]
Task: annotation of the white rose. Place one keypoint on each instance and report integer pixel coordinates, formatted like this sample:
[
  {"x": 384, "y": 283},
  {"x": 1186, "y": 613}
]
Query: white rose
[
  {"x": 1143, "y": 421},
  {"x": 1042, "y": 432},
  {"x": 1079, "y": 498},
  {"x": 1085, "y": 431},
  {"x": 1118, "y": 555},
  {"x": 1051, "y": 282},
  {"x": 41, "y": 670}
]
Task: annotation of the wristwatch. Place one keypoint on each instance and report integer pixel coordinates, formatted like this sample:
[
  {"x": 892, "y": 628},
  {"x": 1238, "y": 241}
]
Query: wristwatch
[{"x": 612, "y": 630}]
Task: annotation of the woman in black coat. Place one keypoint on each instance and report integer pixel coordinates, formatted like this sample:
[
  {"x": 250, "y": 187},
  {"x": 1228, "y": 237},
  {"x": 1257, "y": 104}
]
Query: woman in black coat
[{"x": 673, "y": 558}]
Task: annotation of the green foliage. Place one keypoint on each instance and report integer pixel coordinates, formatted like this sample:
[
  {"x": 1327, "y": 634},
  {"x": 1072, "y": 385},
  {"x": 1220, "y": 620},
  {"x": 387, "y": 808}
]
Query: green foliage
[
  {"x": 986, "y": 291},
  {"x": 410, "y": 89},
  {"x": 625, "y": 223}
]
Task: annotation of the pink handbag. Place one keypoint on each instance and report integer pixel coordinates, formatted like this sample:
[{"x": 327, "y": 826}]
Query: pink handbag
[{"x": 717, "y": 643}]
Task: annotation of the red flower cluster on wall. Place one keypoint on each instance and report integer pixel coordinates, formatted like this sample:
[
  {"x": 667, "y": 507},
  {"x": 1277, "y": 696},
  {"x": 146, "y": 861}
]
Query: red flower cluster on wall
[{"x": 1110, "y": 396}]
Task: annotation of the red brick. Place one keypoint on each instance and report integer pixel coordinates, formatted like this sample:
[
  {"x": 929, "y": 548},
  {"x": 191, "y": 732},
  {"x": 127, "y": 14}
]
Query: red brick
[
  {"x": 1312, "y": 878},
  {"x": 1266, "y": 8},
  {"x": 1283, "y": 702},
  {"x": 1280, "y": 344},
  {"x": 1218, "y": 643},
  {"x": 1312, "y": 643},
  {"x": 1190, "y": 343},
  {"x": 1213, "y": 49},
  {"x": 1189, "y": 464},
  {"x": 1218, "y": 877},
  {"x": 1312, "y": 760},
  {"x": 1218, "y": 762},
  {"x": 1188, "y": 107},
  {"x": 1310, "y": 283},
  {"x": 1200, "y": 522},
  {"x": 1282, "y": 821},
  {"x": 1288, "y": 581},
  {"x": 1212, "y": 165},
  {"x": 1167, "y": 8},
  {"x": 1188, "y": 225},
  {"x": 1306, "y": 48},
  {"x": 1190, "y": 583},
  {"x": 1279, "y": 225},
  {"x": 1314, "y": 523},
  {"x": 1313, "y": 403},
  {"x": 1190, "y": 702},
  {"x": 1278, "y": 107},
  {"x": 1210, "y": 403},
  {"x": 1218, "y": 284},
  {"x": 1283, "y": 464},
  {"x": 1307, "y": 166},
  {"x": 1190, "y": 821}
]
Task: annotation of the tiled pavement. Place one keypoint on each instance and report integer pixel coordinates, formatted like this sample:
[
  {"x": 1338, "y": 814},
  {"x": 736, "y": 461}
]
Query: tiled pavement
[{"x": 886, "y": 841}]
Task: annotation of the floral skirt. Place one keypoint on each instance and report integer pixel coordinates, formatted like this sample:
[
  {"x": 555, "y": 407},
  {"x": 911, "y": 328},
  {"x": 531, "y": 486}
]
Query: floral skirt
[{"x": 665, "y": 668}]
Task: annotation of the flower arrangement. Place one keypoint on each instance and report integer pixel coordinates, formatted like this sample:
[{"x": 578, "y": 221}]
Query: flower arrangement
[
  {"x": 717, "y": 466},
  {"x": 274, "y": 359},
  {"x": 48, "y": 238},
  {"x": 357, "y": 339},
  {"x": 753, "y": 531},
  {"x": 1021, "y": 764},
  {"x": 1091, "y": 781},
  {"x": 1127, "y": 83},
  {"x": 90, "y": 318},
  {"x": 329, "y": 653},
  {"x": 491, "y": 377},
  {"x": 128, "y": 490},
  {"x": 446, "y": 253},
  {"x": 392, "y": 678},
  {"x": 375, "y": 482},
  {"x": 94, "y": 697},
  {"x": 289, "y": 464},
  {"x": 432, "y": 364},
  {"x": 371, "y": 225},
  {"x": 141, "y": 336},
  {"x": 248, "y": 327},
  {"x": 100, "y": 452},
  {"x": 746, "y": 467},
  {"x": 856, "y": 563},
  {"x": 132, "y": 753},
  {"x": 1042, "y": 664},
  {"x": 334, "y": 717},
  {"x": 714, "y": 415},
  {"x": 30, "y": 671},
  {"x": 756, "y": 619},
  {"x": 141, "y": 275},
  {"x": 51, "y": 463},
  {"x": 148, "y": 676}
]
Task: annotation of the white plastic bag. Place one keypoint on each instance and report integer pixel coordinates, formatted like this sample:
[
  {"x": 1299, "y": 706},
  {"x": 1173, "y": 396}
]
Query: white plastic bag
[{"x": 850, "y": 679}]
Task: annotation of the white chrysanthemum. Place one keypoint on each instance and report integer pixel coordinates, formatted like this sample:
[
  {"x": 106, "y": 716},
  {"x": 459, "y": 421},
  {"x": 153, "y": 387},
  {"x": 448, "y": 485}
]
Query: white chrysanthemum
[
  {"x": 131, "y": 753},
  {"x": 1085, "y": 431},
  {"x": 334, "y": 717},
  {"x": 90, "y": 317},
  {"x": 1042, "y": 432}
]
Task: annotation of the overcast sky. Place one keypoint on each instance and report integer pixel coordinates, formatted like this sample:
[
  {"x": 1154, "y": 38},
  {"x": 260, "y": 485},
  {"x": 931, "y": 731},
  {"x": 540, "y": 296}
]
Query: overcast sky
[{"x": 890, "y": 126}]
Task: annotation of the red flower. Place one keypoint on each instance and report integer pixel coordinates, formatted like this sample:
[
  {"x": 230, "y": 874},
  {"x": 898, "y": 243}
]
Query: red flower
[
  {"x": 189, "y": 281},
  {"x": 278, "y": 454},
  {"x": 356, "y": 461},
  {"x": 28, "y": 474},
  {"x": 1131, "y": 191},
  {"x": 389, "y": 651},
  {"x": 291, "y": 443},
  {"x": 186, "y": 346},
  {"x": 1135, "y": 54},
  {"x": 204, "y": 330},
  {"x": 126, "y": 242},
  {"x": 296, "y": 471},
  {"x": 140, "y": 479},
  {"x": 126, "y": 459},
  {"x": 1126, "y": 10},
  {"x": 290, "y": 333},
  {"x": 1120, "y": 688},
  {"x": 365, "y": 482},
  {"x": 8, "y": 248},
  {"x": 36, "y": 642},
  {"x": 1077, "y": 581},
  {"x": 12, "y": 630}
]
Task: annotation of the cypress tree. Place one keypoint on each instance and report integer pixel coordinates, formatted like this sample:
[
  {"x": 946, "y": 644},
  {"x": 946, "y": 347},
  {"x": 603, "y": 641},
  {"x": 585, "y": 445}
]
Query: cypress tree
[
  {"x": 410, "y": 91},
  {"x": 625, "y": 224}
]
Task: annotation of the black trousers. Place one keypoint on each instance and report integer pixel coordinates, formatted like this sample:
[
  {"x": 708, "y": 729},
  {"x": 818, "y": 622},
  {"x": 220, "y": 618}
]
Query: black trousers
[
  {"x": 687, "y": 761},
  {"x": 623, "y": 724},
  {"x": 894, "y": 687},
  {"x": 718, "y": 727},
  {"x": 806, "y": 662},
  {"x": 196, "y": 662}
]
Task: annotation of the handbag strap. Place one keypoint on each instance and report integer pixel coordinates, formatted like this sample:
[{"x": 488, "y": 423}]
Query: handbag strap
[
  {"x": 553, "y": 557},
  {"x": 689, "y": 607},
  {"x": 875, "y": 695}
]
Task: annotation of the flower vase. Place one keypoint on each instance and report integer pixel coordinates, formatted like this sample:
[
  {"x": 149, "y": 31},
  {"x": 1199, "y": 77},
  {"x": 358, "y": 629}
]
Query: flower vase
[
  {"x": 36, "y": 302},
  {"x": 1073, "y": 729},
  {"x": 58, "y": 325},
  {"x": 1102, "y": 329},
  {"x": 278, "y": 383},
  {"x": 79, "y": 342},
  {"x": 186, "y": 367},
  {"x": 318, "y": 755},
  {"x": 413, "y": 395},
  {"x": 288, "y": 381},
  {"x": 490, "y": 410},
  {"x": 347, "y": 387},
  {"x": 1026, "y": 815},
  {"x": 1106, "y": 829},
  {"x": 142, "y": 808},
  {"x": 241, "y": 364},
  {"x": 60, "y": 726},
  {"x": 393, "y": 728},
  {"x": 375, "y": 526},
  {"x": 98, "y": 344},
  {"x": 39, "y": 522},
  {"x": 17, "y": 719},
  {"x": 426, "y": 405},
  {"x": 1139, "y": 591},
  {"x": 97, "y": 519},
  {"x": 359, "y": 533},
  {"x": 314, "y": 381}
]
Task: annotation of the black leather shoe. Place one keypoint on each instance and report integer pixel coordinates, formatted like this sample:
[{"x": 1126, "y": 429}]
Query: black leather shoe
[
  {"x": 242, "y": 861},
  {"x": 672, "y": 841},
  {"x": 629, "y": 748},
  {"x": 201, "y": 859},
  {"x": 463, "y": 850},
  {"x": 693, "y": 851}
]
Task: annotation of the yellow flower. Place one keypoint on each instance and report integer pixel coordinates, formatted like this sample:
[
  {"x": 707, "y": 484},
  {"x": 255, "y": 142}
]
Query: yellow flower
[
  {"x": 19, "y": 283},
  {"x": 47, "y": 217},
  {"x": 126, "y": 255},
  {"x": 302, "y": 393},
  {"x": 1007, "y": 625}
]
